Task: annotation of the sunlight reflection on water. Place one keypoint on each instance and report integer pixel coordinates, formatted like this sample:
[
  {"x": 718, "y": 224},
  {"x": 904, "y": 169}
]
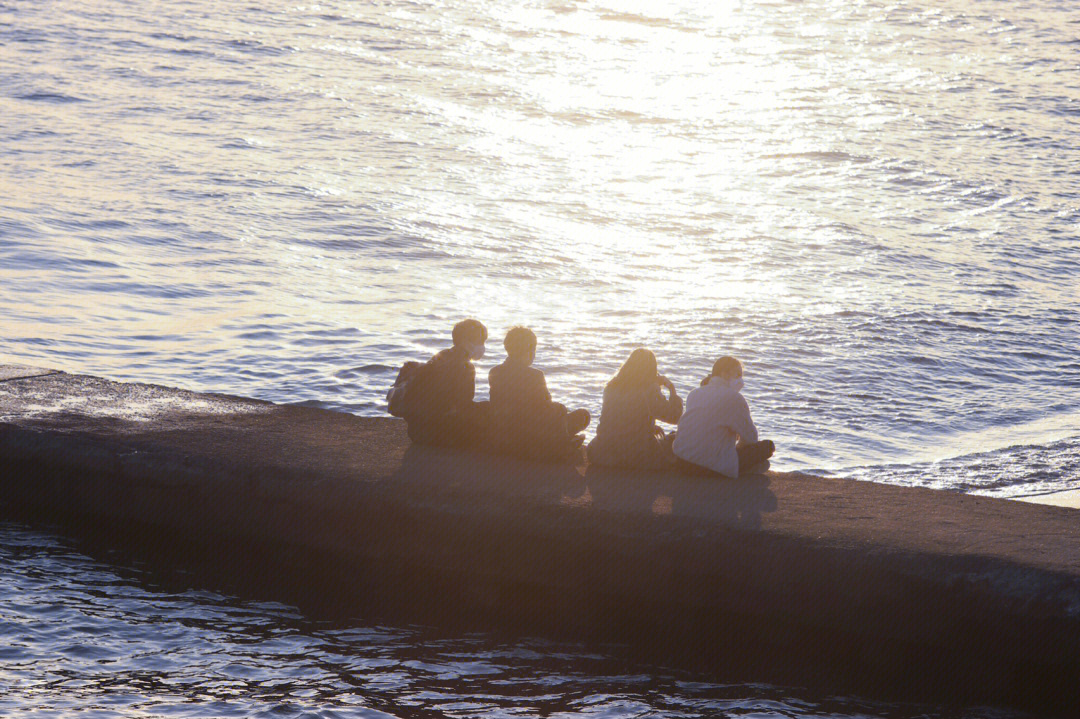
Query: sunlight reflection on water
[{"x": 873, "y": 204}]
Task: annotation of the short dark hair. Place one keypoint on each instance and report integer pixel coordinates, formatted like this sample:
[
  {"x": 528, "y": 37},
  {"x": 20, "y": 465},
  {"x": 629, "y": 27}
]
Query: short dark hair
[
  {"x": 727, "y": 365},
  {"x": 518, "y": 342},
  {"x": 468, "y": 331}
]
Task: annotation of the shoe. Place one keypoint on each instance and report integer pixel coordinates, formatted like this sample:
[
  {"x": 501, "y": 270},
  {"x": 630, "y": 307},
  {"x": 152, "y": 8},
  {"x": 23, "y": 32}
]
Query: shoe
[{"x": 759, "y": 468}]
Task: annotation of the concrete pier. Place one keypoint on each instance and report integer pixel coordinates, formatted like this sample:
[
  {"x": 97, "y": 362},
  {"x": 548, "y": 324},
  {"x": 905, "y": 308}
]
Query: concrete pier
[{"x": 850, "y": 586}]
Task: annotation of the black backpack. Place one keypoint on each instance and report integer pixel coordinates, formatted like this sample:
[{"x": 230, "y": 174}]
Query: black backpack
[{"x": 397, "y": 398}]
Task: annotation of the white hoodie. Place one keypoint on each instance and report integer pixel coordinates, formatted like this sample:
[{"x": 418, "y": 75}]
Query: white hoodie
[{"x": 716, "y": 417}]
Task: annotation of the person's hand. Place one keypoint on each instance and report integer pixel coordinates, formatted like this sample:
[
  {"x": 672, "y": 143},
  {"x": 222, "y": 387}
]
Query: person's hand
[{"x": 665, "y": 382}]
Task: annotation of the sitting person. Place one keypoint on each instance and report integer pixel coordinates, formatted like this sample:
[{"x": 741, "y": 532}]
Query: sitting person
[
  {"x": 627, "y": 435},
  {"x": 440, "y": 408},
  {"x": 526, "y": 422},
  {"x": 716, "y": 432}
]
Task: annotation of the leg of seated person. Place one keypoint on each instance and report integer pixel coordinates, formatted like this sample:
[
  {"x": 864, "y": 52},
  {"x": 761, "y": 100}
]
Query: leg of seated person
[
  {"x": 430, "y": 431},
  {"x": 417, "y": 431},
  {"x": 472, "y": 424},
  {"x": 751, "y": 455},
  {"x": 694, "y": 470},
  {"x": 577, "y": 421}
]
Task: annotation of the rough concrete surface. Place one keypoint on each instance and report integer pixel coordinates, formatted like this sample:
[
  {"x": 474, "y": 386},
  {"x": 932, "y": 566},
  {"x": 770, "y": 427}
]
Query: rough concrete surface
[
  {"x": 14, "y": 371},
  {"x": 850, "y": 585}
]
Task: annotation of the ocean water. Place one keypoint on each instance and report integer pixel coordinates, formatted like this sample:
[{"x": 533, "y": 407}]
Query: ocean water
[
  {"x": 874, "y": 203},
  {"x": 105, "y": 634}
]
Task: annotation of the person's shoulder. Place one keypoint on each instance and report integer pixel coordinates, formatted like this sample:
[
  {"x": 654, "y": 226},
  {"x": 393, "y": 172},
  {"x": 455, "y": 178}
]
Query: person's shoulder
[
  {"x": 535, "y": 374},
  {"x": 497, "y": 372},
  {"x": 452, "y": 359},
  {"x": 733, "y": 400},
  {"x": 452, "y": 354}
]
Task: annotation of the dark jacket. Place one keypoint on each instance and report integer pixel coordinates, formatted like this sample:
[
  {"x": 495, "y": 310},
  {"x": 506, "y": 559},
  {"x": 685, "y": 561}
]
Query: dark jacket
[
  {"x": 518, "y": 390},
  {"x": 627, "y": 434},
  {"x": 445, "y": 384},
  {"x": 524, "y": 421}
]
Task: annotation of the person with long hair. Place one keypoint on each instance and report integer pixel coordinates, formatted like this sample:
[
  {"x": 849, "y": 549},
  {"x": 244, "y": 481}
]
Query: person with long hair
[
  {"x": 716, "y": 433},
  {"x": 627, "y": 435}
]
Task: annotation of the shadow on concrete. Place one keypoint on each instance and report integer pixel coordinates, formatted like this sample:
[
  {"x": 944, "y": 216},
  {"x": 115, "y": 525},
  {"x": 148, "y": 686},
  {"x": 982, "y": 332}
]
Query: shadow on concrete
[
  {"x": 737, "y": 503},
  {"x": 734, "y": 503}
]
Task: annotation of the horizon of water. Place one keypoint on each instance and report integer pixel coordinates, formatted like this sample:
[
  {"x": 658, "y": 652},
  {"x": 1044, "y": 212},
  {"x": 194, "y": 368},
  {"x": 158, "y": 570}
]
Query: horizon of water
[{"x": 871, "y": 203}]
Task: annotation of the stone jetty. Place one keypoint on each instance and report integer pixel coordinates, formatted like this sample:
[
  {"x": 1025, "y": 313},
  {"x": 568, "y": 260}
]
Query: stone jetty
[{"x": 846, "y": 585}]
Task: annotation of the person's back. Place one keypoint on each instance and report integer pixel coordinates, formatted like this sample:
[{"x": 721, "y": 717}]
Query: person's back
[
  {"x": 526, "y": 421},
  {"x": 439, "y": 407},
  {"x": 627, "y": 434},
  {"x": 518, "y": 390},
  {"x": 716, "y": 431},
  {"x": 443, "y": 384}
]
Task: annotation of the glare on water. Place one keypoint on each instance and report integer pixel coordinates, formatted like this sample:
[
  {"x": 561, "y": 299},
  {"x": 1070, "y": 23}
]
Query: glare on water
[{"x": 872, "y": 204}]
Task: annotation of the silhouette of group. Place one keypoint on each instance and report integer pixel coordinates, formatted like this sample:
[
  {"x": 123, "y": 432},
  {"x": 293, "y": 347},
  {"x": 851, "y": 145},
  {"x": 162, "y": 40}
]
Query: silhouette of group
[{"x": 715, "y": 434}]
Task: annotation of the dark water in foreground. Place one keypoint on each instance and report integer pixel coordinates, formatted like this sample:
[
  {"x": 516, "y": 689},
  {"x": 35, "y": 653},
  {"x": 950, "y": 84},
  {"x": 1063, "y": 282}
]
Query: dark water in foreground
[{"x": 91, "y": 631}]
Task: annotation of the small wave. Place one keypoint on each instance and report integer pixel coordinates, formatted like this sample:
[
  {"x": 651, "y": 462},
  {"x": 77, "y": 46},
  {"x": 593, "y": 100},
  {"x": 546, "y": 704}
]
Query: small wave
[
  {"x": 1014, "y": 471},
  {"x": 171, "y": 36},
  {"x": 259, "y": 335},
  {"x": 53, "y": 97},
  {"x": 317, "y": 404},
  {"x": 818, "y": 155},
  {"x": 187, "y": 51},
  {"x": 335, "y": 332},
  {"x": 365, "y": 369},
  {"x": 649, "y": 21},
  {"x": 256, "y": 47}
]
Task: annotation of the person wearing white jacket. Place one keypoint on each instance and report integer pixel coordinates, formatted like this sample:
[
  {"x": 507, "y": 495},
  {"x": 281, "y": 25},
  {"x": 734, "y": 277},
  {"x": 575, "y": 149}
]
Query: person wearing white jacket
[{"x": 716, "y": 431}]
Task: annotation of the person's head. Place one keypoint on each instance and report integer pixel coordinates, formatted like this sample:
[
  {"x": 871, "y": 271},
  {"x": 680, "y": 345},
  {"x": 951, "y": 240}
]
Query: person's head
[
  {"x": 470, "y": 335},
  {"x": 520, "y": 344},
  {"x": 639, "y": 370},
  {"x": 725, "y": 369}
]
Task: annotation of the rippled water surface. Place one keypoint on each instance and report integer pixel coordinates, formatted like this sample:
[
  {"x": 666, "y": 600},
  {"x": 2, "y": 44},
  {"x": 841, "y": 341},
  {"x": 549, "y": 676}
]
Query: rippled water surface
[
  {"x": 114, "y": 637},
  {"x": 874, "y": 204}
]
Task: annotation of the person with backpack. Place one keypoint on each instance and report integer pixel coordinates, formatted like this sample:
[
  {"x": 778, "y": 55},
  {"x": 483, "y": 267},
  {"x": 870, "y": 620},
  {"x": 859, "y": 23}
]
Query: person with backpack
[{"x": 436, "y": 398}]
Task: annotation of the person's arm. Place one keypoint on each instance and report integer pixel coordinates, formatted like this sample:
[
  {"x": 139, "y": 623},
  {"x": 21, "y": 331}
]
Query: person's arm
[
  {"x": 463, "y": 388},
  {"x": 494, "y": 388},
  {"x": 741, "y": 422},
  {"x": 670, "y": 409},
  {"x": 543, "y": 397}
]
